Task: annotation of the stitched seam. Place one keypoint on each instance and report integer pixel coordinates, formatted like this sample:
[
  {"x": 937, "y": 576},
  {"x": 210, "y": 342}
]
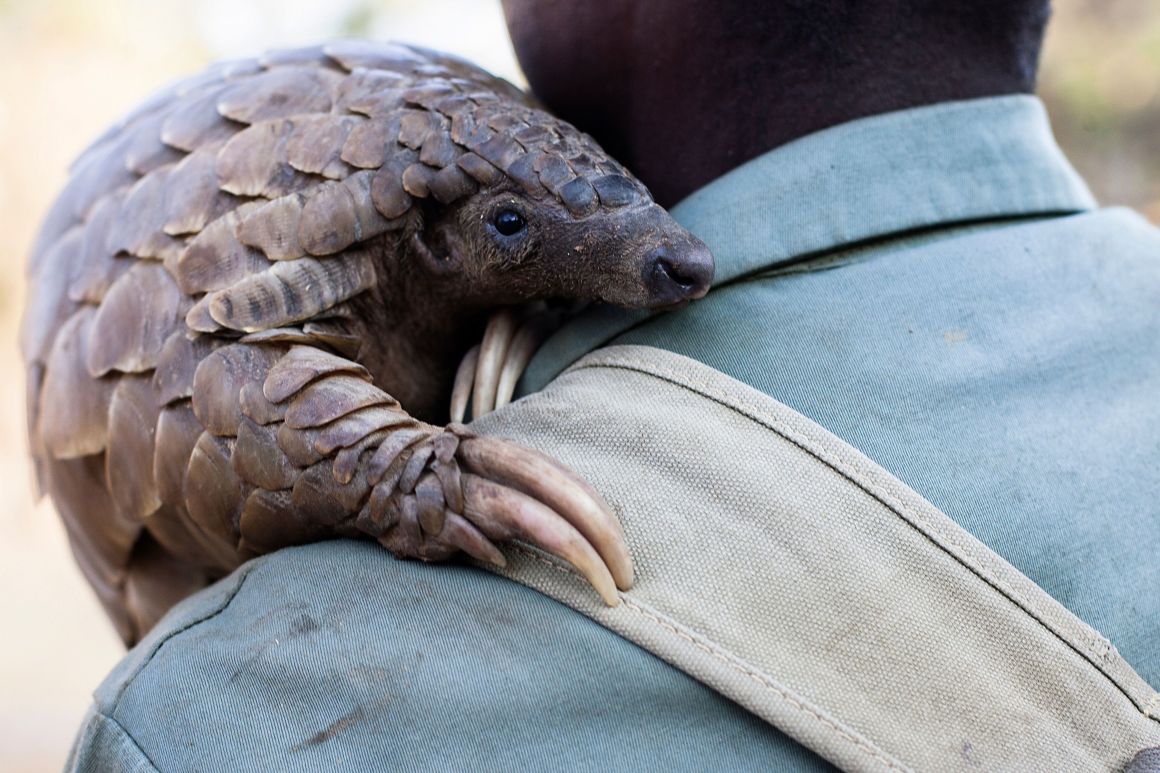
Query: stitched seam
[
  {"x": 128, "y": 737},
  {"x": 245, "y": 574},
  {"x": 737, "y": 665},
  {"x": 883, "y": 500}
]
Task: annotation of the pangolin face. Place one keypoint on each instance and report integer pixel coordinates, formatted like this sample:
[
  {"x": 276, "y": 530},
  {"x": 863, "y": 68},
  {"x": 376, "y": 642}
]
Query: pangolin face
[
  {"x": 501, "y": 246},
  {"x": 547, "y": 213}
]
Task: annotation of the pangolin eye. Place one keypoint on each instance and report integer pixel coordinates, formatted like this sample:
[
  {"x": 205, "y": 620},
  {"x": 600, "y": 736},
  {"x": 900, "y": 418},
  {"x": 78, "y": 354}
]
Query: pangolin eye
[{"x": 509, "y": 222}]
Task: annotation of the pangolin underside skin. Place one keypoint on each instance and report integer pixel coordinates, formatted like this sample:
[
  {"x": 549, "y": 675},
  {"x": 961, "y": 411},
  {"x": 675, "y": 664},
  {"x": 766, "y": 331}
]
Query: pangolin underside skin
[{"x": 244, "y": 278}]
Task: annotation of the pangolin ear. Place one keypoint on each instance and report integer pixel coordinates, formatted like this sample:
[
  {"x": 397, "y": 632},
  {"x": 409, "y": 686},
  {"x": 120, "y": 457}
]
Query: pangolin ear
[{"x": 436, "y": 244}]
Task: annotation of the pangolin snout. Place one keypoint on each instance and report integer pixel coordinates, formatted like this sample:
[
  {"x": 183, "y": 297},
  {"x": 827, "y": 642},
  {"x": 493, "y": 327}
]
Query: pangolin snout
[
  {"x": 650, "y": 261},
  {"x": 676, "y": 273}
]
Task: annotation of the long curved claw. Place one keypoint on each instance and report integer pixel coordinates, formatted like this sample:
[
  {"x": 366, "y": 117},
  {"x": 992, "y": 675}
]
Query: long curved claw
[
  {"x": 504, "y": 513},
  {"x": 436, "y": 492},
  {"x": 464, "y": 378},
  {"x": 496, "y": 341},
  {"x": 562, "y": 491},
  {"x": 488, "y": 373},
  {"x": 463, "y": 535},
  {"x": 525, "y": 343}
]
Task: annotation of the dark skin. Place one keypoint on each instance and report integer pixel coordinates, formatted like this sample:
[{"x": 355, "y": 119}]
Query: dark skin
[{"x": 682, "y": 91}]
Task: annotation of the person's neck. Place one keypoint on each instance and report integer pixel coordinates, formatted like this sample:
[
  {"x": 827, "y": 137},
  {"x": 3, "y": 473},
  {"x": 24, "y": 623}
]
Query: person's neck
[
  {"x": 681, "y": 117},
  {"x": 679, "y": 142}
]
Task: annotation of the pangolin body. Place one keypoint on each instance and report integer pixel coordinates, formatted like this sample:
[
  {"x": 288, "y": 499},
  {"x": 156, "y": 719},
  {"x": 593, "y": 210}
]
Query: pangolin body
[{"x": 244, "y": 277}]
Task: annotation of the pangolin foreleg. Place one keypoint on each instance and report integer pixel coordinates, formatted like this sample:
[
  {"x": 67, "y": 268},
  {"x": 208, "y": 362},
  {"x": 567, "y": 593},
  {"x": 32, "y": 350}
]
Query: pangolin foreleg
[{"x": 301, "y": 445}]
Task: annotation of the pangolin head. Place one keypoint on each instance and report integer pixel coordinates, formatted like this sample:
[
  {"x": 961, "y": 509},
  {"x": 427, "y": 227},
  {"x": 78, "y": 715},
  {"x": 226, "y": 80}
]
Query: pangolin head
[{"x": 517, "y": 204}]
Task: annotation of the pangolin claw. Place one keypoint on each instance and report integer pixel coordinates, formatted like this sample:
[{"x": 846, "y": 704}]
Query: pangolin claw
[
  {"x": 562, "y": 491},
  {"x": 503, "y": 492},
  {"x": 501, "y": 329},
  {"x": 524, "y": 344},
  {"x": 512, "y": 492},
  {"x": 511, "y": 515},
  {"x": 488, "y": 373},
  {"x": 464, "y": 378}
]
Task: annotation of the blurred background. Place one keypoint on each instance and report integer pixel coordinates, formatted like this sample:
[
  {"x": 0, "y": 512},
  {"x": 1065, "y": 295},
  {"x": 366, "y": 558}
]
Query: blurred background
[{"x": 70, "y": 67}]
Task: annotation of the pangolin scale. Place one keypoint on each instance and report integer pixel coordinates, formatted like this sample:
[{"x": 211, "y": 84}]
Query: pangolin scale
[{"x": 245, "y": 276}]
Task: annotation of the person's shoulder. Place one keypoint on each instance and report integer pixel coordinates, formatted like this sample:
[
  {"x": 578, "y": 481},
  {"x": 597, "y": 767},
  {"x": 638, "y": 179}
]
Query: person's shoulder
[
  {"x": 297, "y": 647},
  {"x": 336, "y": 656},
  {"x": 248, "y": 606}
]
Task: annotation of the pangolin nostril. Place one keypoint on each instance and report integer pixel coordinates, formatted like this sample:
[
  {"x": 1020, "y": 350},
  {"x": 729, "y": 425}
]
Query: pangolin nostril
[
  {"x": 683, "y": 279},
  {"x": 680, "y": 273}
]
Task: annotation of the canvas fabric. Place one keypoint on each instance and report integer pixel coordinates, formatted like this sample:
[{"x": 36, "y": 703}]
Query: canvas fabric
[{"x": 783, "y": 568}]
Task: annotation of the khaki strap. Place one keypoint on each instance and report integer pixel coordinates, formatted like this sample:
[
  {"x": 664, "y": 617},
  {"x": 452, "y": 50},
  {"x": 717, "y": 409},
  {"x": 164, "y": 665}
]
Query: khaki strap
[{"x": 786, "y": 570}]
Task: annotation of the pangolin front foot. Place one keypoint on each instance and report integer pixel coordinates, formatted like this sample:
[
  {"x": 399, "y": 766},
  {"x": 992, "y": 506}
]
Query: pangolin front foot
[{"x": 440, "y": 492}]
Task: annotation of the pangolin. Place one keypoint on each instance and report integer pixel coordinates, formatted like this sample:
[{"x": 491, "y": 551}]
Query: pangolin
[{"x": 245, "y": 280}]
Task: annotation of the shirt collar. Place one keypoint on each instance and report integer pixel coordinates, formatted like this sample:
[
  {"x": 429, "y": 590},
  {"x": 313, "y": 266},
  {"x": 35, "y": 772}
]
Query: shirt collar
[{"x": 941, "y": 165}]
